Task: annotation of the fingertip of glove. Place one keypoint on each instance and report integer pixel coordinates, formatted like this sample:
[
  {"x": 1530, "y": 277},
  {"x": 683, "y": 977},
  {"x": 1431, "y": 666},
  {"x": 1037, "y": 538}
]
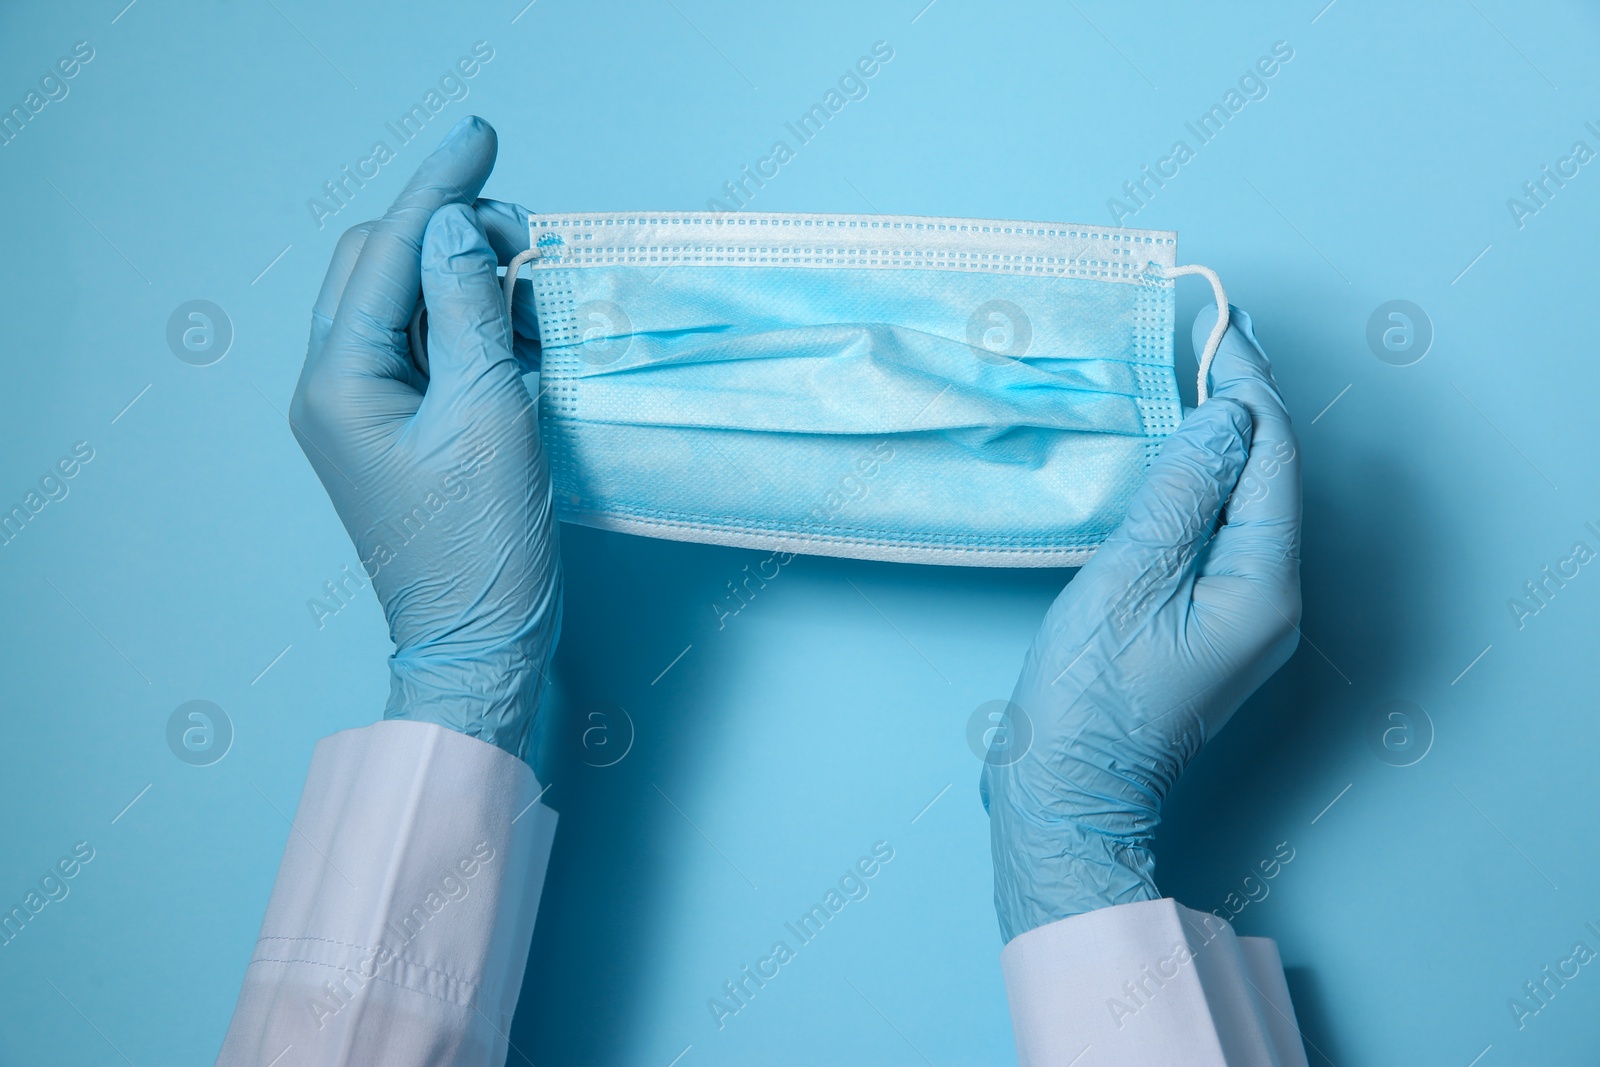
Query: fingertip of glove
[
  {"x": 456, "y": 217},
  {"x": 506, "y": 225},
  {"x": 1213, "y": 437},
  {"x": 454, "y": 171},
  {"x": 1240, "y": 335},
  {"x": 1223, "y": 417},
  {"x": 471, "y": 130},
  {"x": 1219, "y": 428},
  {"x": 1236, "y": 412},
  {"x": 453, "y": 243},
  {"x": 1204, "y": 319}
]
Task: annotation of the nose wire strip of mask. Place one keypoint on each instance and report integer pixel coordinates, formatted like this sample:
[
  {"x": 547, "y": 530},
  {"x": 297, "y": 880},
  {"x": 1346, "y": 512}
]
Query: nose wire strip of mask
[{"x": 1206, "y": 356}]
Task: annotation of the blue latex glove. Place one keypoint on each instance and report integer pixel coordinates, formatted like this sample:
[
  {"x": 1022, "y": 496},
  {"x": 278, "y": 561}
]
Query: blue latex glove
[
  {"x": 1150, "y": 650},
  {"x": 440, "y": 481}
]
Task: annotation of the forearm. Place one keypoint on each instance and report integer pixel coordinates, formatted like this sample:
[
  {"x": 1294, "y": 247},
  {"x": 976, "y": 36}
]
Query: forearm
[
  {"x": 1149, "y": 983},
  {"x": 398, "y": 929}
]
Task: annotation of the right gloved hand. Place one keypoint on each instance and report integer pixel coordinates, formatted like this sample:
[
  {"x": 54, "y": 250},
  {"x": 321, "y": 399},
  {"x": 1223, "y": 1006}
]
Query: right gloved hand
[{"x": 1151, "y": 648}]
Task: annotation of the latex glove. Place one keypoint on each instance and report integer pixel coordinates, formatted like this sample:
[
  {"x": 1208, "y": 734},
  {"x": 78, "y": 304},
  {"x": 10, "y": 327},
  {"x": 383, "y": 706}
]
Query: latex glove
[
  {"x": 506, "y": 226},
  {"x": 440, "y": 481},
  {"x": 1150, "y": 649}
]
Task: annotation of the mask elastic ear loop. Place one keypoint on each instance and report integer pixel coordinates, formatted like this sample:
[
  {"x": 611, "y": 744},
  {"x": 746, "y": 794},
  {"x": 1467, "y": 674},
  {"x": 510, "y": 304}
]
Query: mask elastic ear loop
[
  {"x": 419, "y": 342},
  {"x": 1210, "y": 351},
  {"x": 511, "y": 275}
]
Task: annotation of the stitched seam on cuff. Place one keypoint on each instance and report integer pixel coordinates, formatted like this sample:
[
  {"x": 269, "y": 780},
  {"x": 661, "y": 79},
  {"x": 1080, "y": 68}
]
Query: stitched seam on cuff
[{"x": 467, "y": 987}]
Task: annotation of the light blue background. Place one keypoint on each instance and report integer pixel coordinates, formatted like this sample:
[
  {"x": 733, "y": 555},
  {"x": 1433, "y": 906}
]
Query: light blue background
[{"x": 831, "y": 711}]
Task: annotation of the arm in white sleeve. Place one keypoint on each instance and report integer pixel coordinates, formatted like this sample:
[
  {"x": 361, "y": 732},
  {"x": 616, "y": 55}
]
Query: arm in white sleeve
[
  {"x": 1138, "y": 985},
  {"x": 398, "y": 929}
]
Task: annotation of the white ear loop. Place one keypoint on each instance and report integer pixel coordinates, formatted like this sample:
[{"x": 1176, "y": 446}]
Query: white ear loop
[
  {"x": 511, "y": 274},
  {"x": 1210, "y": 351}
]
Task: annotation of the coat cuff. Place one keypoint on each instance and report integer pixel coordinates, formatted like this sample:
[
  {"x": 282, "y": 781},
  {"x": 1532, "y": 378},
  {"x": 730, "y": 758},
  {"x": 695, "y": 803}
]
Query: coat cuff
[
  {"x": 1147, "y": 983},
  {"x": 398, "y": 929}
]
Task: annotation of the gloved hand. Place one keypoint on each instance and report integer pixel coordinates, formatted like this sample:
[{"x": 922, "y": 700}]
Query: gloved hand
[
  {"x": 440, "y": 481},
  {"x": 1150, "y": 650}
]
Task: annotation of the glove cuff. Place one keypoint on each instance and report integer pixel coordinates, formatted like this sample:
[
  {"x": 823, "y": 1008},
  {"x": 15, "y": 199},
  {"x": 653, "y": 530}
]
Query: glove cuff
[
  {"x": 1045, "y": 873},
  {"x": 492, "y": 696}
]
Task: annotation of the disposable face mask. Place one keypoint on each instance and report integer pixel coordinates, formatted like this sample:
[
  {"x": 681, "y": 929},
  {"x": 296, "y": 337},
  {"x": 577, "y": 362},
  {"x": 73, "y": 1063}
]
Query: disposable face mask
[{"x": 922, "y": 390}]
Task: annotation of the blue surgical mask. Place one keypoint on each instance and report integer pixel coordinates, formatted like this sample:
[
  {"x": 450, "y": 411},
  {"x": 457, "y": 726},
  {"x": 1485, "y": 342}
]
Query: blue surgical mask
[{"x": 915, "y": 389}]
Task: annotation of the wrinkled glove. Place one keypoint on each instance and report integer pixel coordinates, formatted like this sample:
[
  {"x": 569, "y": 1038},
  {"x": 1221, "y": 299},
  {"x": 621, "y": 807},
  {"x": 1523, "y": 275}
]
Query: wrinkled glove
[
  {"x": 1150, "y": 650},
  {"x": 439, "y": 479}
]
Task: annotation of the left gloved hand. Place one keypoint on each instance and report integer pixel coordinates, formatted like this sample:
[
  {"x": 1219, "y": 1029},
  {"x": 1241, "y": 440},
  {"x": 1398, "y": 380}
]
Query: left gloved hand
[
  {"x": 440, "y": 481},
  {"x": 1150, "y": 650}
]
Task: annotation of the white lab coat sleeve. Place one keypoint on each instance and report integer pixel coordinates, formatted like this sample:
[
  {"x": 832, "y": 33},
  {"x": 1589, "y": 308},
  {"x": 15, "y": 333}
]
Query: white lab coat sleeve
[
  {"x": 397, "y": 932},
  {"x": 1149, "y": 983}
]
